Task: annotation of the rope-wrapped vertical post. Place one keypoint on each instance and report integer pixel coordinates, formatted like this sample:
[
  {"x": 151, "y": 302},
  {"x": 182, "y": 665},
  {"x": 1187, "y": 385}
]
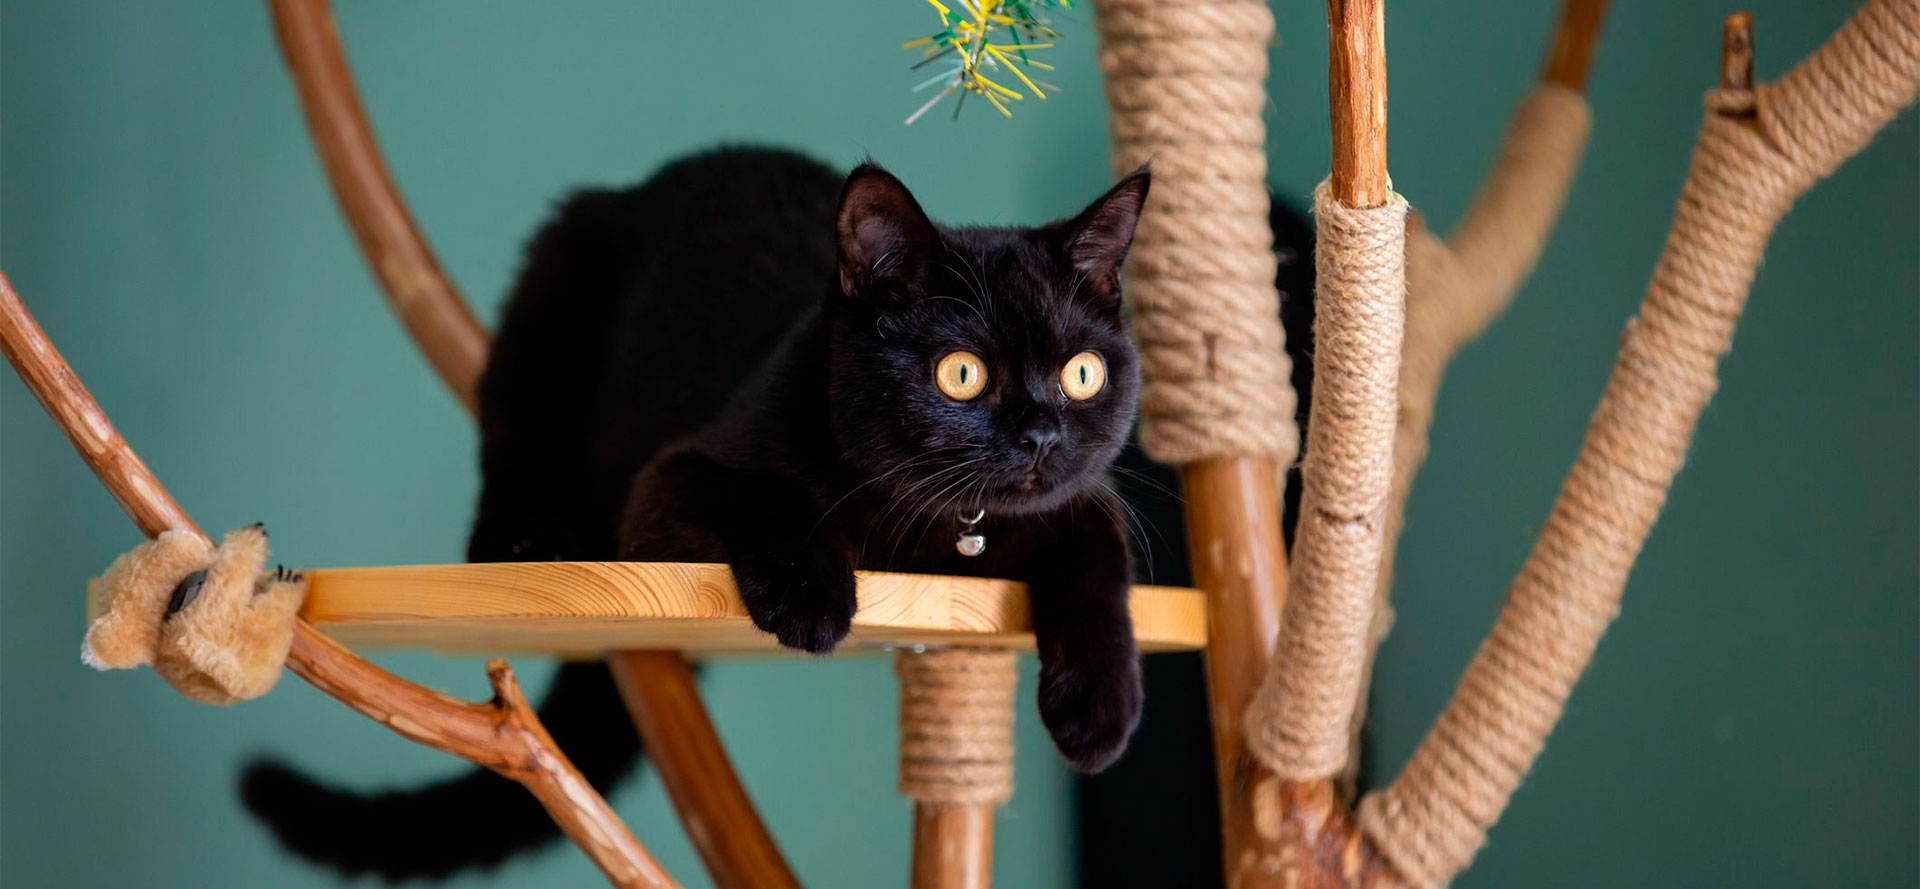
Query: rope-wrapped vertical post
[
  {"x": 1758, "y": 150},
  {"x": 1297, "y": 724},
  {"x": 1185, "y": 84},
  {"x": 956, "y": 759}
]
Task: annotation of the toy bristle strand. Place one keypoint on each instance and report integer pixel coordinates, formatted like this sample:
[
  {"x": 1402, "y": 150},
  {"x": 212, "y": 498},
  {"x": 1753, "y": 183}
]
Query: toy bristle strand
[{"x": 972, "y": 44}]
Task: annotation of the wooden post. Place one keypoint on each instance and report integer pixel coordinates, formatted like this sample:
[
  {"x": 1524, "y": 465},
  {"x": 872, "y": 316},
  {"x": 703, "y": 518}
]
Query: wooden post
[
  {"x": 953, "y": 845},
  {"x": 1572, "y": 54},
  {"x": 1736, "y": 52},
  {"x": 1239, "y": 558},
  {"x": 1357, "y": 95}
]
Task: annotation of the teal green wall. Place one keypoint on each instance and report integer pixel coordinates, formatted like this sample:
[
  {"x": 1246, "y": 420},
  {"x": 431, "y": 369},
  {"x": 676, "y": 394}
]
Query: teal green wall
[{"x": 1751, "y": 719}]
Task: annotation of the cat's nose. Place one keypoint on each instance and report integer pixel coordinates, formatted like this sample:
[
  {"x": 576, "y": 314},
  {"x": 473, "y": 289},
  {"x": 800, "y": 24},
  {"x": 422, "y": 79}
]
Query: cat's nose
[{"x": 1039, "y": 439}]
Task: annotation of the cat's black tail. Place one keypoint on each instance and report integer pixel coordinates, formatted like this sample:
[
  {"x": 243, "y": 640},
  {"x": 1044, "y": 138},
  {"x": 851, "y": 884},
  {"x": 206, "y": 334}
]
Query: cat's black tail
[
  {"x": 545, "y": 498},
  {"x": 476, "y": 820}
]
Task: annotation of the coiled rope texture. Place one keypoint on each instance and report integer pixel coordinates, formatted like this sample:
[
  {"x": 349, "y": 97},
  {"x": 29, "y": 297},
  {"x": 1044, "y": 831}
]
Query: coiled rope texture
[
  {"x": 956, "y": 725},
  {"x": 1185, "y": 83},
  {"x": 1757, "y": 152},
  {"x": 1297, "y": 724},
  {"x": 1457, "y": 287}
]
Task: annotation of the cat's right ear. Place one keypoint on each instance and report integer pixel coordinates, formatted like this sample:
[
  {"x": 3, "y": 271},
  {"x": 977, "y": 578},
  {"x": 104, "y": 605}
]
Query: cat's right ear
[{"x": 885, "y": 239}]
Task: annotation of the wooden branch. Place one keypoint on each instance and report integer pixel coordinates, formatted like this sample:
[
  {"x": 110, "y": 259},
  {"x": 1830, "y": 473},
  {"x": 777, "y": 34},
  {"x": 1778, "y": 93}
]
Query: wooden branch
[
  {"x": 1744, "y": 176},
  {"x": 423, "y": 296},
  {"x": 426, "y": 301},
  {"x": 1240, "y": 560},
  {"x": 1572, "y": 54},
  {"x": 1317, "y": 846},
  {"x": 1736, "y": 52},
  {"x": 720, "y": 819},
  {"x": 1357, "y": 91},
  {"x": 502, "y": 735},
  {"x": 67, "y": 400},
  {"x": 1305, "y": 836}
]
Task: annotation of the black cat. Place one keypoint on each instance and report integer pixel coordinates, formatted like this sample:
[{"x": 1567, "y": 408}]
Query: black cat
[{"x": 749, "y": 360}]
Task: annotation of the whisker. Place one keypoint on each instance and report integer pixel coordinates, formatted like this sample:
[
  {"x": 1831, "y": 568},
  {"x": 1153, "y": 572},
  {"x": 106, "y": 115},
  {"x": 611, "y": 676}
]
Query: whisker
[
  {"x": 932, "y": 517},
  {"x": 1149, "y": 481}
]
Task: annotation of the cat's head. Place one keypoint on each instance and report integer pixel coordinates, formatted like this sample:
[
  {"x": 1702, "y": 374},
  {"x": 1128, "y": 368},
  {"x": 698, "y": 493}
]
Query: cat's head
[{"x": 981, "y": 368}]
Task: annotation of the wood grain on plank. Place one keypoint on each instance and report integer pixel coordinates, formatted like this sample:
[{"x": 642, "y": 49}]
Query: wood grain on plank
[{"x": 583, "y": 608}]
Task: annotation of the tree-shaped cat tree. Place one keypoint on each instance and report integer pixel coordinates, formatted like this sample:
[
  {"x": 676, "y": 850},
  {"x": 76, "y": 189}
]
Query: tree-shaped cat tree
[{"x": 1288, "y": 650}]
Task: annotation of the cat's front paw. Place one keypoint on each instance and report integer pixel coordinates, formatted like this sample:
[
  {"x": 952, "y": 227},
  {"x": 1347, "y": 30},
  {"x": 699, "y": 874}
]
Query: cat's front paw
[
  {"x": 806, "y": 603},
  {"x": 1091, "y": 709}
]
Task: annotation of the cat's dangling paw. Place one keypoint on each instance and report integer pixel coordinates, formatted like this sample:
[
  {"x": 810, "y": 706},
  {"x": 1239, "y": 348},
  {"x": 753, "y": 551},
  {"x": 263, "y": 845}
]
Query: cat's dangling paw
[
  {"x": 1091, "y": 710},
  {"x": 806, "y": 603}
]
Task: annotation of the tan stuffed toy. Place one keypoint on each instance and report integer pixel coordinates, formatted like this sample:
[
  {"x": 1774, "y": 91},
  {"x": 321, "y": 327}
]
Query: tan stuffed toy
[{"x": 205, "y": 617}]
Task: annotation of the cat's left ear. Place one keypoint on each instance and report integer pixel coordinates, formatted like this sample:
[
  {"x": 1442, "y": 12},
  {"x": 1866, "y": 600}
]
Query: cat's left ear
[
  {"x": 1095, "y": 242},
  {"x": 885, "y": 239}
]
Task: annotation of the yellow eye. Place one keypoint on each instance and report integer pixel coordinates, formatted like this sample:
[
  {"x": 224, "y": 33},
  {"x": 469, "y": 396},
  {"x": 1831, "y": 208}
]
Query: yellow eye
[
  {"x": 1084, "y": 376},
  {"x": 962, "y": 375}
]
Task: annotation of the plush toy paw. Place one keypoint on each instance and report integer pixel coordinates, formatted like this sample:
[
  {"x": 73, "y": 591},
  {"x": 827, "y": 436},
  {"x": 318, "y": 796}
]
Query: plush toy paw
[{"x": 204, "y": 617}]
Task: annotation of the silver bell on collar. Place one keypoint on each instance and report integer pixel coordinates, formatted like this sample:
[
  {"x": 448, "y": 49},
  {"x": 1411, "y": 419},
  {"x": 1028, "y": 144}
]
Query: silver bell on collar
[{"x": 971, "y": 542}]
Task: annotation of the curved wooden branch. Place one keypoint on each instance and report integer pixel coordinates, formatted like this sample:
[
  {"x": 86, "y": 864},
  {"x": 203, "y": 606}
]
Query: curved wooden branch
[
  {"x": 1758, "y": 151},
  {"x": 454, "y": 342},
  {"x": 502, "y": 735},
  {"x": 660, "y": 695},
  {"x": 425, "y": 299}
]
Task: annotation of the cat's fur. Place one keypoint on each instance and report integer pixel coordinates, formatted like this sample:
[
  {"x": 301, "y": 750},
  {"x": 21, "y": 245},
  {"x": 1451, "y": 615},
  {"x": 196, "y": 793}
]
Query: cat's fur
[{"x": 733, "y": 362}]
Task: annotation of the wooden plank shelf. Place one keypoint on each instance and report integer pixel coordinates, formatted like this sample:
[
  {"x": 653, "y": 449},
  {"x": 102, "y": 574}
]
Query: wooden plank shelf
[{"x": 584, "y": 608}]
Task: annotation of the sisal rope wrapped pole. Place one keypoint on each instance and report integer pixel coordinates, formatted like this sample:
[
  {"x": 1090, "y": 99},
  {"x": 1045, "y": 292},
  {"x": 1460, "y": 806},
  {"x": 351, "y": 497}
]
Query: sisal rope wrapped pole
[
  {"x": 1758, "y": 150},
  {"x": 1298, "y": 722},
  {"x": 956, "y": 759},
  {"x": 1185, "y": 83},
  {"x": 956, "y": 725}
]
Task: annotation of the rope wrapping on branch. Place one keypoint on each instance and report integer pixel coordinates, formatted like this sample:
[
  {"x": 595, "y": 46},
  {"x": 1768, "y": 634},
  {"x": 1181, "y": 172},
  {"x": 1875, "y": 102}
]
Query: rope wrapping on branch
[
  {"x": 956, "y": 725},
  {"x": 1297, "y": 725},
  {"x": 1185, "y": 82},
  {"x": 1757, "y": 152},
  {"x": 1457, "y": 287}
]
